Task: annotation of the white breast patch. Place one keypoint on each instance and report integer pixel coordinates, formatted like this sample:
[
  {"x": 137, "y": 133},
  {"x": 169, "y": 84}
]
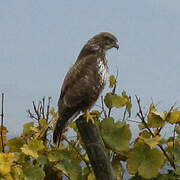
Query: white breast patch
[{"x": 103, "y": 71}]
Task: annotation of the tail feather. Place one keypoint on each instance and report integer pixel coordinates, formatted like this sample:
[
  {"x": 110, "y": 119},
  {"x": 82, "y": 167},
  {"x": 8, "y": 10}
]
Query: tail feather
[{"x": 61, "y": 124}]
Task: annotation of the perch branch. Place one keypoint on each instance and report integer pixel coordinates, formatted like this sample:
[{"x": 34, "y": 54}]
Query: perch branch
[{"x": 95, "y": 149}]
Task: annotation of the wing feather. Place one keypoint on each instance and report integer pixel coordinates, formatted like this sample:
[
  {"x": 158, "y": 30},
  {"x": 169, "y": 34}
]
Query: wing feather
[{"x": 80, "y": 85}]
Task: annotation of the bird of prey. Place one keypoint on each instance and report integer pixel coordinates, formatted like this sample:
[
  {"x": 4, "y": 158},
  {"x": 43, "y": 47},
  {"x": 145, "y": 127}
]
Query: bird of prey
[{"x": 84, "y": 81}]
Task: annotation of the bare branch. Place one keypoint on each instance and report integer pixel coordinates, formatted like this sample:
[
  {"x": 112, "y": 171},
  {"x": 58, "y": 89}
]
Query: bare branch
[
  {"x": 36, "y": 110},
  {"x": 2, "y": 122},
  {"x": 43, "y": 107}
]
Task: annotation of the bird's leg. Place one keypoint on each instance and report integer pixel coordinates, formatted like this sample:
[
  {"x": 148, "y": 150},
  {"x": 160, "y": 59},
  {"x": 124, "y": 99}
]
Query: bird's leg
[{"x": 89, "y": 116}]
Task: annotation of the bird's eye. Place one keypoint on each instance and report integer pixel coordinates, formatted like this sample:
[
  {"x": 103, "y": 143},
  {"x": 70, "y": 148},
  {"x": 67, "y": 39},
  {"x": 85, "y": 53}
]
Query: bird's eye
[{"x": 110, "y": 41}]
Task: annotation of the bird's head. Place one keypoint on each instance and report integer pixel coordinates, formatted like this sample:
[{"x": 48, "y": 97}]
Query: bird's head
[
  {"x": 105, "y": 41},
  {"x": 99, "y": 43}
]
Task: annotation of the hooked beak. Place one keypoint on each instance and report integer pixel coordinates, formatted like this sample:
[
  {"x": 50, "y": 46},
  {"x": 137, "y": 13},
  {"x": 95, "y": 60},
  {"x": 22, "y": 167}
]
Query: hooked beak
[{"x": 116, "y": 45}]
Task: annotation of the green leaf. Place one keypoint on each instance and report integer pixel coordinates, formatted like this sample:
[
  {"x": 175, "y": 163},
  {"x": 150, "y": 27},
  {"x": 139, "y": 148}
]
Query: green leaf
[
  {"x": 70, "y": 167},
  {"x": 113, "y": 100},
  {"x": 115, "y": 135},
  {"x": 33, "y": 147},
  {"x": 85, "y": 173},
  {"x": 145, "y": 161},
  {"x": 32, "y": 172},
  {"x": 42, "y": 159},
  {"x": 55, "y": 155}
]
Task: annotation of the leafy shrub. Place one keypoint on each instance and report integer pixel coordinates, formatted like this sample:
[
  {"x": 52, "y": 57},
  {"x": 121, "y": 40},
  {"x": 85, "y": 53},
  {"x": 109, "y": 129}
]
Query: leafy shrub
[{"x": 32, "y": 155}]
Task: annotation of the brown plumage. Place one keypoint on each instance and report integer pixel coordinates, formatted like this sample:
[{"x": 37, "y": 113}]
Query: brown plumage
[{"x": 84, "y": 81}]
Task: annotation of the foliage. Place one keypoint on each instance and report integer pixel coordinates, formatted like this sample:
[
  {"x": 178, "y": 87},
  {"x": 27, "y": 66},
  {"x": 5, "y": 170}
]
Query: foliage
[{"x": 33, "y": 156}]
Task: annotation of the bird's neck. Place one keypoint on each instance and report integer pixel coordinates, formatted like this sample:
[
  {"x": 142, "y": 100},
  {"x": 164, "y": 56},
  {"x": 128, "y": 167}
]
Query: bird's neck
[{"x": 88, "y": 51}]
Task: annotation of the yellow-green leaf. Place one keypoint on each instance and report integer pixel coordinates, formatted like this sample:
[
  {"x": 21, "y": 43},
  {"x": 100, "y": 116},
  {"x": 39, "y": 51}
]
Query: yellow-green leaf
[
  {"x": 33, "y": 147},
  {"x": 145, "y": 134},
  {"x": 7, "y": 157},
  {"x": 7, "y": 177},
  {"x": 145, "y": 161},
  {"x": 27, "y": 127},
  {"x": 151, "y": 142},
  {"x": 156, "y": 119},
  {"x": 70, "y": 167},
  {"x": 17, "y": 172},
  {"x": 117, "y": 167},
  {"x": 176, "y": 152},
  {"x": 42, "y": 159},
  {"x": 112, "y": 100},
  {"x": 6, "y": 160},
  {"x": 173, "y": 117},
  {"x": 177, "y": 170},
  {"x": 15, "y": 144},
  {"x": 43, "y": 122},
  {"x": 115, "y": 135},
  {"x": 91, "y": 177},
  {"x": 112, "y": 81},
  {"x": 32, "y": 172}
]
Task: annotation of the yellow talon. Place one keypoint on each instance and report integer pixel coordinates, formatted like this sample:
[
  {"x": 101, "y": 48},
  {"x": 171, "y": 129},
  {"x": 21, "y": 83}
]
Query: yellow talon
[{"x": 89, "y": 116}]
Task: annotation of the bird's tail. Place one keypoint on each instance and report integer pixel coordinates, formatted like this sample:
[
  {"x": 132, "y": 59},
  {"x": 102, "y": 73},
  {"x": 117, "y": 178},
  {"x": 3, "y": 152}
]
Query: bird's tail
[{"x": 61, "y": 124}]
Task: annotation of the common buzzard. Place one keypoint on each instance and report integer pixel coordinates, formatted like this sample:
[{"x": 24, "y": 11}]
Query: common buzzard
[{"x": 84, "y": 81}]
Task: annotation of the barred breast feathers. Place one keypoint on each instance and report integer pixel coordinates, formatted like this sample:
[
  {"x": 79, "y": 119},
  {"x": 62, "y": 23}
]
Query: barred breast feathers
[{"x": 103, "y": 70}]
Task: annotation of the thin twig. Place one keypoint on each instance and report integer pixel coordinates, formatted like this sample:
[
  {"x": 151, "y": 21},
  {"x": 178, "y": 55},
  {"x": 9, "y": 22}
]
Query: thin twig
[
  {"x": 124, "y": 114},
  {"x": 43, "y": 107},
  {"x": 35, "y": 110},
  {"x": 113, "y": 92},
  {"x": 174, "y": 134},
  {"x": 48, "y": 108},
  {"x": 142, "y": 117},
  {"x": 133, "y": 121},
  {"x": 31, "y": 115},
  {"x": 103, "y": 109},
  {"x": 2, "y": 122}
]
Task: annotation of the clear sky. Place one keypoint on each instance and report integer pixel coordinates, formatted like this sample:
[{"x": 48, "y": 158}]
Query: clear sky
[{"x": 40, "y": 40}]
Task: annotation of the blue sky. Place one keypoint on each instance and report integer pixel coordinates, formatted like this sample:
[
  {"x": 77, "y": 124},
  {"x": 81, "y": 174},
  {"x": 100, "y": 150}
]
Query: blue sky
[{"x": 40, "y": 40}]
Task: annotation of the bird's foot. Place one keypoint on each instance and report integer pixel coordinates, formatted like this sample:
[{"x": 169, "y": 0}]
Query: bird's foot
[{"x": 91, "y": 116}]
